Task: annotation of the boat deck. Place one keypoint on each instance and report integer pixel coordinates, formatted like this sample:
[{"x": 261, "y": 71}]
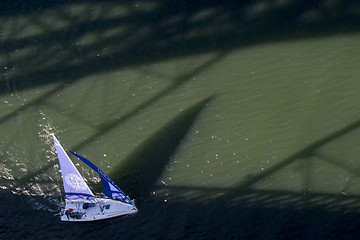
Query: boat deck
[{"x": 103, "y": 208}]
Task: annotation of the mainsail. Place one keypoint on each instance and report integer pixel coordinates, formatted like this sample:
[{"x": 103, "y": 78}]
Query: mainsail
[
  {"x": 110, "y": 188},
  {"x": 74, "y": 185}
]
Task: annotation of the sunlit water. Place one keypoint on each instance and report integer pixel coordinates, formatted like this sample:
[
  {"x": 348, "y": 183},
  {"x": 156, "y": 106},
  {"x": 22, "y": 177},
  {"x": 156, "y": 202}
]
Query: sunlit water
[{"x": 255, "y": 141}]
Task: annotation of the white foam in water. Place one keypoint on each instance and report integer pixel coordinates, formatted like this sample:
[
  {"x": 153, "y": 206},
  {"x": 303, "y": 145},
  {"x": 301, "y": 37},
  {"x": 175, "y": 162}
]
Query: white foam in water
[{"x": 43, "y": 189}]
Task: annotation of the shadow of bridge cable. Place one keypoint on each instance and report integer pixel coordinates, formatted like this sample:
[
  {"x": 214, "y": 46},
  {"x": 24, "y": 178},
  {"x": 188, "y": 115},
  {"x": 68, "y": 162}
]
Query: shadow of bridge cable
[
  {"x": 306, "y": 152},
  {"x": 138, "y": 173}
]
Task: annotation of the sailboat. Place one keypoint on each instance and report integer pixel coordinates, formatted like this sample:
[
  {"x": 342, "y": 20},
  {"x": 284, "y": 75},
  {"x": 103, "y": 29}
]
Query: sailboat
[{"x": 80, "y": 203}]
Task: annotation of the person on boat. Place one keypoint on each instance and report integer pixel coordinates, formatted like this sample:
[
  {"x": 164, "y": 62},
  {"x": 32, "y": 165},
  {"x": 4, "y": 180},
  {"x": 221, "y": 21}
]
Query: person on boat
[
  {"x": 77, "y": 215},
  {"x": 70, "y": 212},
  {"x": 88, "y": 205}
]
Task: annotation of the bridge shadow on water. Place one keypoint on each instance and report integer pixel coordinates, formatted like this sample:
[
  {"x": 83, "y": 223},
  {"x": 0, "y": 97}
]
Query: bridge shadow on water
[
  {"x": 186, "y": 212},
  {"x": 247, "y": 212},
  {"x": 148, "y": 31},
  {"x": 160, "y": 30},
  {"x": 141, "y": 169}
]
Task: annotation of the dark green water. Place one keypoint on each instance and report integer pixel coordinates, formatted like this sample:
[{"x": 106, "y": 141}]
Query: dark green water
[{"x": 236, "y": 120}]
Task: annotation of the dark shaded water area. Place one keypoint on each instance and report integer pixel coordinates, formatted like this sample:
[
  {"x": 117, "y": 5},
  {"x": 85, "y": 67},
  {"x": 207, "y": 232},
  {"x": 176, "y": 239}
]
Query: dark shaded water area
[{"x": 223, "y": 120}]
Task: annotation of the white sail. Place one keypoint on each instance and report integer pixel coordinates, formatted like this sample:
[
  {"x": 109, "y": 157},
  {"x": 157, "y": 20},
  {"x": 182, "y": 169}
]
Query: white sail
[{"x": 74, "y": 185}]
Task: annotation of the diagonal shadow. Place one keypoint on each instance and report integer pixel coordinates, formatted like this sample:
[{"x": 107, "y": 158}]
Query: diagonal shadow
[
  {"x": 155, "y": 151},
  {"x": 140, "y": 171},
  {"x": 306, "y": 152},
  {"x": 178, "y": 82},
  {"x": 111, "y": 124},
  {"x": 34, "y": 102}
]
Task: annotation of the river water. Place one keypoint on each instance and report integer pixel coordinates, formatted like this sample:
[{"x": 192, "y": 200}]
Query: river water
[{"x": 235, "y": 120}]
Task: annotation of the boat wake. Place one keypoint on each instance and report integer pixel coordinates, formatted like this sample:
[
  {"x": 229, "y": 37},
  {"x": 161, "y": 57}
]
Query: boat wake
[{"x": 27, "y": 179}]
